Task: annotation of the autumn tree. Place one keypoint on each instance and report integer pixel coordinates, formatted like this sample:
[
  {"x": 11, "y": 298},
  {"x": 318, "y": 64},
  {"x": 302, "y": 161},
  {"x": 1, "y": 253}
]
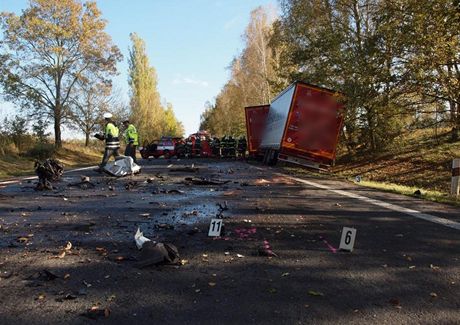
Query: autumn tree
[
  {"x": 147, "y": 112},
  {"x": 252, "y": 76},
  {"x": 47, "y": 49},
  {"x": 172, "y": 127},
  {"x": 91, "y": 99}
]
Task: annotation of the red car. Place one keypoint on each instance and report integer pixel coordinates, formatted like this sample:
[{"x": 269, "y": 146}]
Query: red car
[{"x": 165, "y": 147}]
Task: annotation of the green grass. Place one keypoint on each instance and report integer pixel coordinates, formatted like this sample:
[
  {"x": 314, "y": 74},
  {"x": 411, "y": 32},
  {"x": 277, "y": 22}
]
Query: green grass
[{"x": 430, "y": 195}]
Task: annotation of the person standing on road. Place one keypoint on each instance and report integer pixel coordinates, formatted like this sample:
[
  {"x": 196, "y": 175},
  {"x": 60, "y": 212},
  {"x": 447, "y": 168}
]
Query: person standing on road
[
  {"x": 131, "y": 140},
  {"x": 112, "y": 142}
]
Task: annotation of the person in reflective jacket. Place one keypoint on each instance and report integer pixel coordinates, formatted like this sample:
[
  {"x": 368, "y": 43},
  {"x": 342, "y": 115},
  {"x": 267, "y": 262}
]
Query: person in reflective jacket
[
  {"x": 131, "y": 140},
  {"x": 112, "y": 142}
]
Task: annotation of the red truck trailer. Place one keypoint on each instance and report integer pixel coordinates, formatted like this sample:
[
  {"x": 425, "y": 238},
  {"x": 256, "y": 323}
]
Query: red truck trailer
[
  {"x": 303, "y": 126},
  {"x": 255, "y": 123}
]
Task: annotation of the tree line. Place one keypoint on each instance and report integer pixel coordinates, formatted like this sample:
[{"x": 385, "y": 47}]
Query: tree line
[
  {"x": 57, "y": 63},
  {"x": 397, "y": 62}
]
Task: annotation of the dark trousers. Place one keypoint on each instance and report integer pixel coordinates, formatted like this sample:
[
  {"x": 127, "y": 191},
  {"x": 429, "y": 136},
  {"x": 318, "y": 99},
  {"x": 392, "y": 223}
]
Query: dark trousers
[
  {"x": 107, "y": 154},
  {"x": 130, "y": 151}
]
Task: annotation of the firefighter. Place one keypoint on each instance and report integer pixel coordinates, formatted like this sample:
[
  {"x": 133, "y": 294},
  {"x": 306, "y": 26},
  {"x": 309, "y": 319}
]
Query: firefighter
[
  {"x": 131, "y": 140},
  {"x": 224, "y": 146},
  {"x": 232, "y": 147},
  {"x": 242, "y": 146},
  {"x": 112, "y": 142},
  {"x": 215, "y": 146}
]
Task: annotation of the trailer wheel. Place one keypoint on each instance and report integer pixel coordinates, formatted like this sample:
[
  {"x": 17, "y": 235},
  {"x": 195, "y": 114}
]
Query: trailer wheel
[{"x": 273, "y": 157}]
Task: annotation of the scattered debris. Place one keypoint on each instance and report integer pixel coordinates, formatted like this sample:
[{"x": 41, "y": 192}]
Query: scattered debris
[
  {"x": 140, "y": 239},
  {"x": 239, "y": 255},
  {"x": 65, "y": 250},
  {"x": 95, "y": 312},
  {"x": 244, "y": 233},
  {"x": 261, "y": 181},
  {"x": 395, "y": 302},
  {"x": 84, "y": 184},
  {"x": 48, "y": 171},
  {"x": 185, "y": 169},
  {"x": 223, "y": 207},
  {"x": 315, "y": 293},
  {"x": 204, "y": 181},
  {"x": 418, "y": 193},
  {"x": 130, "y": 185},
  {"x": 158, "y": 253},
  {"x": 266, "y": 250}
]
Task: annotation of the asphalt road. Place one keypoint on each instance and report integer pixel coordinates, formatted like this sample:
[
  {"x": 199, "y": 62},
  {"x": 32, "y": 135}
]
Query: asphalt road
[{"x": 404, "y": 268}]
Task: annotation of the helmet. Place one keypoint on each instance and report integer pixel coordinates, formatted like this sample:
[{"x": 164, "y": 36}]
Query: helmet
[{"x": 107, "y": 115}]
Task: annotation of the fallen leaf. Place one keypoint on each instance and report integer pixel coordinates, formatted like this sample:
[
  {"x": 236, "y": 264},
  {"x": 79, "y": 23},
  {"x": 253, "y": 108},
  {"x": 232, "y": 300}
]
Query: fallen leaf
[
  {"x": 394, "y": 301},
  {"x": 315, "y": 293},
  {"x": 433, "y": 295},
  {"x": 239, "y": 255},
  {"x": 434, "y": 267},
  {"x": 285, "y": 274},
  {"x": 412, "y": 267},
  {"x": 106, "y": 312},
  {"x": 66, "y": 276},
  {"x": 23, "y": 239},
  {"x": 183, "y": 262},
  {"x": 41, "y": 296},
  {"x": 68, "y": 246},
  {"x": 212, "y": 284}
]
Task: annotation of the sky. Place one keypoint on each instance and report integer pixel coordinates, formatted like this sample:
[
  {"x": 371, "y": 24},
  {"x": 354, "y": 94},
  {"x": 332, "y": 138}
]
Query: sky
[{"x": 189, "y": 42}]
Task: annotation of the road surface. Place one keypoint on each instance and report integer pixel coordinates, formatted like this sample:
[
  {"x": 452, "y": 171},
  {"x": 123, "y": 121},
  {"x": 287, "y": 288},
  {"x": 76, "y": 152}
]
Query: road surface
[{"x": 404, "y": 267}]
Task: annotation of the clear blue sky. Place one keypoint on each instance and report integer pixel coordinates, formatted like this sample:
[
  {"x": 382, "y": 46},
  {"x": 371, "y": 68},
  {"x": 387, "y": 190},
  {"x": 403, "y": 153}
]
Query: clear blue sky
[{"x": 189, "y": 42}]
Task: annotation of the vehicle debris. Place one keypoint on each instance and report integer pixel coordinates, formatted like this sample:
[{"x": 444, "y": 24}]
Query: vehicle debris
[
  {"x": 204, "y": 181},
  {"x": 185, "y": 169},
  {"x": 140, "y": 239},
  {"x": 158, "y": 253},
  {"x": 266, "y": 250},
  {"x": 48, "y": 171}
]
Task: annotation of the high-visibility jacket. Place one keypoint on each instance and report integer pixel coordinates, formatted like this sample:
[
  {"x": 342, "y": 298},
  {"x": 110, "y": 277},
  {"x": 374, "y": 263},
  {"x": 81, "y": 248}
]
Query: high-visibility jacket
[
  {"x": 131, "y": 135},
  {"x": 111, "y": 133}
]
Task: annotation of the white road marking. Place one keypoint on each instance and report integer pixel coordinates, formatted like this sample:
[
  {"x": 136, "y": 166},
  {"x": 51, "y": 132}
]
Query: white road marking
[
  {"x": 19, "y": 180},
  {"x": 389, "y": 206}
]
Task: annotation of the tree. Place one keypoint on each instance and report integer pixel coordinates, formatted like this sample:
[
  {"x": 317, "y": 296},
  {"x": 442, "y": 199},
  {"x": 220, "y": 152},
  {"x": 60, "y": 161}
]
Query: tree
[
  {"x": 146, "y": 110},
  {"x": 46, "y": 51},
  {"x": 91, "y": 100},
  {"x": 172, "y": 127},
  {"x": 17, "y": 129},
  {"x": 39, "y": 130},
  {"x": 251, "y": 81}
]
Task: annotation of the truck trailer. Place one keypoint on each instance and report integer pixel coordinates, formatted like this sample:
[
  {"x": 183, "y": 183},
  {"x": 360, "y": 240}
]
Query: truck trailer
[
  {"x": 255, "y": 123},
  {"x": 302, "y": 126}
]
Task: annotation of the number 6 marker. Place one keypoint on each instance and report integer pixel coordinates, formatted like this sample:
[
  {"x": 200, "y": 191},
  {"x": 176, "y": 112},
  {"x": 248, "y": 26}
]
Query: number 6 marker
[
  {"x": 348, "y": 239},
  {"x": 215, "y": 228}
]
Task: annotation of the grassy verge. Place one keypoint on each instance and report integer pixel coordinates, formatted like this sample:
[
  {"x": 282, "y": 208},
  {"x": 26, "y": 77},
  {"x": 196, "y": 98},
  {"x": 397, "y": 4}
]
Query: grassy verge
[
  {"x": 422, "y": 161},
  {"x": 72, "y": 155},
  {"x": 430, "y": 195}
]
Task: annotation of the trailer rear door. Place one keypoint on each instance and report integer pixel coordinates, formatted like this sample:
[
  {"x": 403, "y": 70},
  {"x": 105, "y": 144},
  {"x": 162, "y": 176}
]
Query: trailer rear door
[
  {"x": 313, "y": 126},
  {"x": 255, "y": 124}
]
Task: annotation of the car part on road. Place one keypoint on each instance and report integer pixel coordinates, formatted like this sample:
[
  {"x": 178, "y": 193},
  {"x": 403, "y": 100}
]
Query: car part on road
[
  {"x": 48, "y": 171},
  {"x": 158, "y": 253},
  {"x": 204, "y": 181}
]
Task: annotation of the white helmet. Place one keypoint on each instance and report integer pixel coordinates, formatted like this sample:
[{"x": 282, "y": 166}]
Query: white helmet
[{"x": 107, "y": 115}]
